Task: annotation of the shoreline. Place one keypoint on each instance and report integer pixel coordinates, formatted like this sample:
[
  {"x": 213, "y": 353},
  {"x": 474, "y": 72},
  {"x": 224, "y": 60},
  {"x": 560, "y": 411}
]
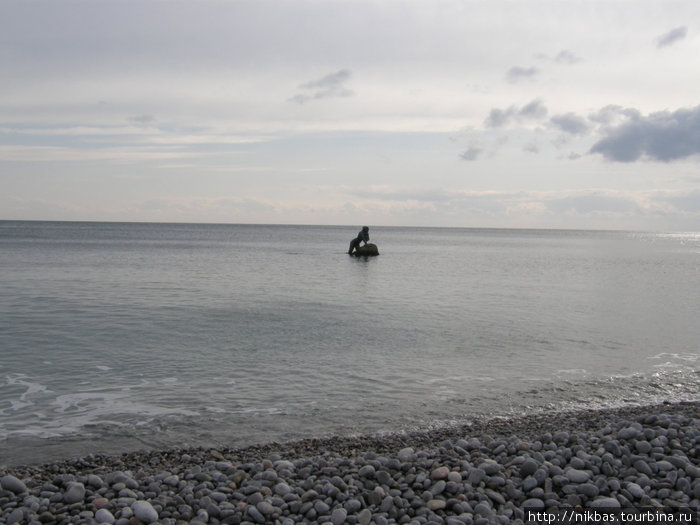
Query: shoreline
[
  {"x": 527, "y": 425},
  {"x": 499, "y": 463}
]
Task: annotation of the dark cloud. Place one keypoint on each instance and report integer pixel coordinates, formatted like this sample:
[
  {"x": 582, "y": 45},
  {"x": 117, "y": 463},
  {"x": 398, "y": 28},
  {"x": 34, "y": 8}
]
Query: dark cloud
[
  {"x": 673, "y": 36},
  {"x": 501, "y": 117},
  {"x": 570, "y": 123},
  {"x": 330, "y": 86},
  {"x": 661, "y": 136},
  {"x": 517, "y": 73}
]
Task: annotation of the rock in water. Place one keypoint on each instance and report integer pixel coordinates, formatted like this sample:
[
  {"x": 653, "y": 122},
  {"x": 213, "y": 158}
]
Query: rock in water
[{"x": 368, "y": 249}]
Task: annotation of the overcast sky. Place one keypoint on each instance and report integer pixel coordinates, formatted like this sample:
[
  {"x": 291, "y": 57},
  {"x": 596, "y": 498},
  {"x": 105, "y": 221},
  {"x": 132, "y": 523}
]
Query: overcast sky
[{"x": 553, "y": 114}]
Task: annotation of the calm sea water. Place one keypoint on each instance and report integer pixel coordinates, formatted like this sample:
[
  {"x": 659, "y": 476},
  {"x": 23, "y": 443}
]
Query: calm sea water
[{"x": 118, "y": 336}]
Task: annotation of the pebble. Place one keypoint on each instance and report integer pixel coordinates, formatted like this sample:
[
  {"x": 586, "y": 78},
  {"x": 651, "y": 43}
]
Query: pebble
[
  {"x": 13, "y": 484},
  {"x": 528, "y": 467},
  {"x": 436, "y": 504},
  {"x": 144, "y": 511},
  {"x": 75, "y": 493},
  {"x": 338, "y": 516},
  {"x": 474, "y": 475},
  {"x": 440, "y": 473},
  {"x": 104, "y": 516},
  {"x": 577, "y": 476}
]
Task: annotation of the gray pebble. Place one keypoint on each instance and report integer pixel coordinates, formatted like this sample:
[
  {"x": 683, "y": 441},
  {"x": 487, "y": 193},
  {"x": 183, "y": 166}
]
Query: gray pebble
[
  {"x": 352, "y": 506},
  {"x": 104, "y": 516},
  {"x": 528, "y": 467},
  {"x": 13, "y": 484},
  {"x": 364, "y": 517},
  {"x": 490, "y": 467},
  {"x": 282, "y": 489},
  {"x": 628, "y": 433},
  {"x": 321, "y": 507},
  {"x": 16, "y": 516},
  {"x": 534, "y": 504},
  {"x": 265, "y": 507},
  {"x": 635, "y": 490},
  {"x": 75, "y": 493},
  {"x": 476, "y": 476},
  {"x": 384, "y": 477},
  {"x": 367, "y": 471},
  {"x": 609, "y": 503},
  {"x": 144, "y": 511},
  {"x": 438, "y": 487},
  {"x": 338, "y": 516},
  {"x": 256, "y": 515},
  {"x": 588, "y": 489},
  {"x": 577, "y": 476},
  {"x": 485, "y": 480}
]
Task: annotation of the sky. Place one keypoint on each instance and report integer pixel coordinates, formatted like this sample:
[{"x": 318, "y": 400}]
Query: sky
[{"x": 514, "y": 114}]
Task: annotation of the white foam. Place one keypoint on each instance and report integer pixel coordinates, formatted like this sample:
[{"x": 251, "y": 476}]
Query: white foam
[
  {"x": 32, "y": 389},
  {"x": 577, "y": 372},
  {"x": 104, "y": 368},
  {"x": 452, "y": 379},
  {"x": 681, "y": 357}
]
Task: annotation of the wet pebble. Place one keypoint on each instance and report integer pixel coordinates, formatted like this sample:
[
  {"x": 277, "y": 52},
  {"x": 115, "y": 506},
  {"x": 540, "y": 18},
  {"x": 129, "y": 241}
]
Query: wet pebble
[{"x": 470, "y": 476}]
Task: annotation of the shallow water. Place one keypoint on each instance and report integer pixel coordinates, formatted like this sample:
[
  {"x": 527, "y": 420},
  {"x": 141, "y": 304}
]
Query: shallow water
[{"x": 121, "y": 336}]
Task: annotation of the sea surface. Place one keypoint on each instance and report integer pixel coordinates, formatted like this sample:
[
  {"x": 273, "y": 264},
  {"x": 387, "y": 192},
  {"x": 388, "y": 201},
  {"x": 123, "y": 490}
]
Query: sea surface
[{"x": 128, "y": 336}]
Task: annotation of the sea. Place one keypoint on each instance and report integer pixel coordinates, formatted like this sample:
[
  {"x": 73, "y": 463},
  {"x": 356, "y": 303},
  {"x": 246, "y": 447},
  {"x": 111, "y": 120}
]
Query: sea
[{"x": 118, "y": 337}]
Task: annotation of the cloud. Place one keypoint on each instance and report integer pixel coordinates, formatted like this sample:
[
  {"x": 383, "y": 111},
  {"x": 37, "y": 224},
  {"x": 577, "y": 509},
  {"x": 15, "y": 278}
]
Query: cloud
[
  {"x": 567, "y": 57},
  {"x": 661, "y": 136},
  {"x": 471, "y": 153},
  {"x": 517, "y": 73},
  {"x": 535, "y": 109},
  {"x": 673, "y": 36},
  {"x": 330, "y": 86},
  {"x": 596, "y": 206},
  {"x": 593, "y": 201},
  {"x": 142, "y": 119},
  {"x": 612, "y": 113},
  {"x": 501, "y": 117},
  {"x": 570, "y": 123},
  {"x": 33, "y": 154}
]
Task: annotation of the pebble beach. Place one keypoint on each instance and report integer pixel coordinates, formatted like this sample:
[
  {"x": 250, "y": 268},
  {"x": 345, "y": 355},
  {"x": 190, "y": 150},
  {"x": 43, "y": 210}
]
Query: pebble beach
[{"x": 487, "y": 472}]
